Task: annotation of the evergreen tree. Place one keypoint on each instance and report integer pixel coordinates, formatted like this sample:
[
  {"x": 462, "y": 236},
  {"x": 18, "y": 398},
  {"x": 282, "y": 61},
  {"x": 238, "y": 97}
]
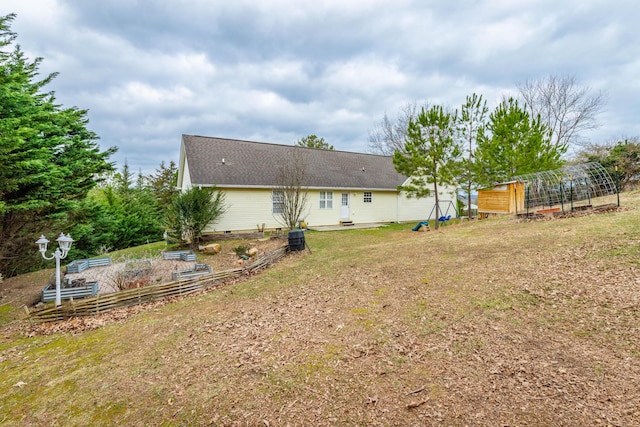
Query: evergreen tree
[
  {"x": 192, "y": 211},
  {"x": 431, "y": 155},
  {"x": 164, "y": 184},
  {"x": 625, "y": 155},
  {"x": 312, "y": 141},
  {"x": 513, "y": 143},
  {"x": 472, "y": 119},
  {"x": 48, "y": 157},
  {"x": 120, "y": 214}
]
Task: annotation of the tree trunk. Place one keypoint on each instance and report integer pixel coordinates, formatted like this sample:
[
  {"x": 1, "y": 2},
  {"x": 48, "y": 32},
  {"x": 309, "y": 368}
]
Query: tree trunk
[{"x": 435, "y": 189}]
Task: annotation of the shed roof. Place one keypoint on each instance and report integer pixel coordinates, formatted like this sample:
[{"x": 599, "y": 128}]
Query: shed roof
[{"x": 236, "y": 163}]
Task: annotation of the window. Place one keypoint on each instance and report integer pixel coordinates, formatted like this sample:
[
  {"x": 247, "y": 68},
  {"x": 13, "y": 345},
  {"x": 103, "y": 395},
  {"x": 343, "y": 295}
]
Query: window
[
  {"x": 277, "y": 198},
  {"x": 368, "y": 197},
  {"x": 326, "y": 200}
]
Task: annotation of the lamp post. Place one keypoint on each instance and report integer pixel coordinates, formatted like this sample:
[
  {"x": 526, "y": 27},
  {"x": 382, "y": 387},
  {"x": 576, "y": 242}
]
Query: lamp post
[{"x": 64, "y": 244}]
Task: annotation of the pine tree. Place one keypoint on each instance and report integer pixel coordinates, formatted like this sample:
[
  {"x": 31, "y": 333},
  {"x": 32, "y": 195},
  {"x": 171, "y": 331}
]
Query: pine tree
[
  {"x": 513, "y": 143},
  {"x": 48, "y": 157},
  {"x": 431, "y": 155},
  {"x": 472, "y": 119},
  {"x": 313, "y": 141}
]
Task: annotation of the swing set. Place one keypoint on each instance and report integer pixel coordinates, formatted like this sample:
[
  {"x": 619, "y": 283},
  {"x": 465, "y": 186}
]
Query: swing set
[{"x": 442, "y": 219}]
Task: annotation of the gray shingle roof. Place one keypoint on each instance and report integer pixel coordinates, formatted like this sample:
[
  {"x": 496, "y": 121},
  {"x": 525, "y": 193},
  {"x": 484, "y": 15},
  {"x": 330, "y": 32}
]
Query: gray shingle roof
[{"x": 254, "y": 164}]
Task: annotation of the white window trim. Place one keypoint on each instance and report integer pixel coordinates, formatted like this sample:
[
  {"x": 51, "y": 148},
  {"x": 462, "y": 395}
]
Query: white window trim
[
  {"x": 275, "y": 203},
  {"x": 327, "y": 200}
]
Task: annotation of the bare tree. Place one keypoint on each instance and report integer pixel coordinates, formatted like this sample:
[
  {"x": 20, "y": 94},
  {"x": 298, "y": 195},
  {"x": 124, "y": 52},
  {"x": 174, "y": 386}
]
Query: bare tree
[
  {"x": 565, "y": 106},
  {"x": 290, "y": 196},
  {"x": 390, "y": 135},
  {"x": 592, "y": 152}
]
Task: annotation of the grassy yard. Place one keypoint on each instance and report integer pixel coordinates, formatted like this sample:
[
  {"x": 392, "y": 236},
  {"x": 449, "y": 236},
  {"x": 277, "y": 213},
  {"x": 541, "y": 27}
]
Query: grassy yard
[{"x": 496, "y": 322}]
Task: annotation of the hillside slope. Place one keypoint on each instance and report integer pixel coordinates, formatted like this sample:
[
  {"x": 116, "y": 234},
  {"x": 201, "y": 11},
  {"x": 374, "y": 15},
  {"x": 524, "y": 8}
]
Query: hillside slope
[{"x": 497, "y": 322}]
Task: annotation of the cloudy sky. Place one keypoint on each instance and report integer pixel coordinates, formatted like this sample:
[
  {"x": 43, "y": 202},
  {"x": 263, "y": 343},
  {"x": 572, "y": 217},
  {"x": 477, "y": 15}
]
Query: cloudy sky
[{"x": 278, "y": 70}]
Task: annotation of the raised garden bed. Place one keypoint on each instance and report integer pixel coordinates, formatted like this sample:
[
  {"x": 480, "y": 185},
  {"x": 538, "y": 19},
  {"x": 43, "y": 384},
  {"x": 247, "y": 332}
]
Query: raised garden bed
[
  {"x": 582, "y": 208},
  {"x": 182, "y": 255},
  {"x": 196, "y": 271},
  {"x": 78, "y": 288},
  {"x": 548, "y": 211},
  {"x": 79, "y": 265}
]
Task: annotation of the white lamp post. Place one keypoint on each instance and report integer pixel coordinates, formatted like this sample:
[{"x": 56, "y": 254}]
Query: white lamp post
[{"x": 64, "y": 244}]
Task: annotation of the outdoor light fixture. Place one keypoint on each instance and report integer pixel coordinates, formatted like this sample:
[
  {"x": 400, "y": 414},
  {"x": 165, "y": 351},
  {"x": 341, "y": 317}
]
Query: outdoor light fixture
[{"x": 64, "y": 244}]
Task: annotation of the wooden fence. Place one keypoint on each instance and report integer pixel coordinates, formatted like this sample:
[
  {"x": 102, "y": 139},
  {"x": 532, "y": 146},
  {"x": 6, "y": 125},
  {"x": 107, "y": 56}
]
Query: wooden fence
[{"x": 106, "y": 302}]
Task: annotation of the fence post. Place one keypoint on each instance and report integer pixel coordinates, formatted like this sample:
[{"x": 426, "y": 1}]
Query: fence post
[
  {"x": 617, "y": 186},
  {"x": 73, "y": 305},
  {"x": 26, "y": 309},
  {"x": 571, "y": 190}
]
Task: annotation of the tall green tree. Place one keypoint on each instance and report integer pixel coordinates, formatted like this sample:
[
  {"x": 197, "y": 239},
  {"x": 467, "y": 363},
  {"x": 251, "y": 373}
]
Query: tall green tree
[
  {"x": 192, "y": 211},
  {"x": 49, "y": 160},
  {"x": 473, "y": 117},
  {"x": 514, "y": 143},
  {"x": 313, "y": 141},
  {"x": 118, "y": 214},
  {"x": 164, "y": 184},
  {"x": 96, "y": 224},
  {"x": 431, "y": 154},
  {"x": 625, "y": 155}
]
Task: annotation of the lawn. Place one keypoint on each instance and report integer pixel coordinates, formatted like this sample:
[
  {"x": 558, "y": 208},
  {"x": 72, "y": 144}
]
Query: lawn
[{"x": 495, "y": 322}]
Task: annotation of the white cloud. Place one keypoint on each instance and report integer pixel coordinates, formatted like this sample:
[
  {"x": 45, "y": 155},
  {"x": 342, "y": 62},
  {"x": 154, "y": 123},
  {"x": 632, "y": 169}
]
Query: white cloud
[{"x": 277, "y": 70}]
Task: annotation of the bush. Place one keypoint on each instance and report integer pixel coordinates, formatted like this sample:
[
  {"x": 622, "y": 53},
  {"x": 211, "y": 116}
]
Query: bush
[{"x": 240, "y": 250}]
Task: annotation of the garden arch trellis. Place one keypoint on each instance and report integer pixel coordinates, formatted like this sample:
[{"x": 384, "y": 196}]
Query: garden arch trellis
[{"x": 575, "y": 183}]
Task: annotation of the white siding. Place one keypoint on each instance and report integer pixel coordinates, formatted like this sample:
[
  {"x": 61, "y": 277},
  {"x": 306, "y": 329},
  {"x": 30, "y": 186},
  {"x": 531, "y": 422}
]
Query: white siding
[
  {"x": 383, "y": 207},
  {"x": 186, "y": 177},
  {"x": 412, "y": 209},
  {"x": 316, "y": 216},
  {"x": 247, "y": 208}
]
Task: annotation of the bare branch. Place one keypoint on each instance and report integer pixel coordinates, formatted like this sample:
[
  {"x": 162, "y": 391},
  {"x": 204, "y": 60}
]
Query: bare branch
[
  {"x": 291, "y": 195},
  {"x": 390, "y": 135},
  {"x": 564, "y": 105}
]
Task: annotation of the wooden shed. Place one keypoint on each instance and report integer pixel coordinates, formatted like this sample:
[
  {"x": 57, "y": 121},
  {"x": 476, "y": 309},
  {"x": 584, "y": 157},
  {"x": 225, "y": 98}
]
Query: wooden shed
[{"x": 503, "y": 198}]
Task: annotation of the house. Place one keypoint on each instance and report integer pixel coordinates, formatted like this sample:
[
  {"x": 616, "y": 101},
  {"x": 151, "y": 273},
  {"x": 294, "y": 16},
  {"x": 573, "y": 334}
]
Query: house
[
  {"x": 503, "y": 198},
  {"x": 343, "y": 187}
]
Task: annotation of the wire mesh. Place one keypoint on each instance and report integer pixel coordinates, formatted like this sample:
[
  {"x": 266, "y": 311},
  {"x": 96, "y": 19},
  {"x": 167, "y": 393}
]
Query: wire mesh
[{"x": 575, "y": 183}]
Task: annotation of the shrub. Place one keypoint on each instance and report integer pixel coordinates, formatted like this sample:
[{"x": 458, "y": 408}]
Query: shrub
[{"x": 240, "y": 250}]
